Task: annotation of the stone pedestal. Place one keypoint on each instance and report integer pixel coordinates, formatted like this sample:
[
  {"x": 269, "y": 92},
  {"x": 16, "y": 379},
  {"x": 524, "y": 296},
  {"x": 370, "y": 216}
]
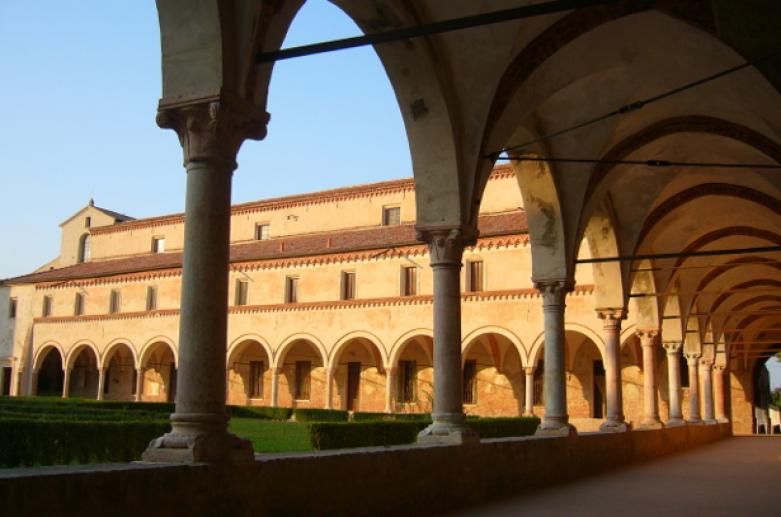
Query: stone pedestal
[
  {"x": 650, "y": 401},
  {"x": 692, "y": 361},
  {"x": 556, "y": 420},
  {"x": 446, "y": 247},
  {"x": 611, "y": 327},
  {"x": 673, "y": 350},
  {"x": 211, "y": 134}
]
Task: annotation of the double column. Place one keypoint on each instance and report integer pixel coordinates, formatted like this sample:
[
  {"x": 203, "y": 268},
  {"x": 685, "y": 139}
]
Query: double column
[
  {"x": 446, "y": 248},
  {"x": 556, "y": 420},
  {"x": 673, "y": 350},
  {"x": 211, "y": 134},
  {"x": 650, "y": 402},
  {"x": 611, "y": 328}
]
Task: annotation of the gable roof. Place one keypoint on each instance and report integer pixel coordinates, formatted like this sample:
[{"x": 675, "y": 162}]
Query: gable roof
[{"x": 118, "y": 218}]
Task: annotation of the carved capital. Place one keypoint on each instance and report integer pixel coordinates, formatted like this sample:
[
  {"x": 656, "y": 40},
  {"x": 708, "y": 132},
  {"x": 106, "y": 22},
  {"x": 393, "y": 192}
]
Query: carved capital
[
  {"x": 529, "y": 370},
  {"x": 692, "y": 358},
  {"x": 719, "y": 368},
  {"x": 647, "y": 336},
  {"x": 214, "y": 129},
  {"x": 706, "y": 362},
  {"x": 611, "y": 318},
  {"x": 553, "y": 291},
  {"x": 672, "y": 347},
  {"x": 445, "y": 245}
]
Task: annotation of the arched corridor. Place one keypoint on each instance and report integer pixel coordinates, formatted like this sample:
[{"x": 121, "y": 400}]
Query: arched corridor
[
  {"x": 82, "y": 376},
  {"x": 249, "y": 374},
  {"x": 157, "y": 374},
  {"x": 50, "y": 375}
]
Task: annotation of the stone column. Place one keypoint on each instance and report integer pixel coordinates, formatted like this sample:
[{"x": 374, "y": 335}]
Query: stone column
[
  {"x": 673, "y": 350},
  {"x": 556, "y": 419},
  {"x": 706, "y": 368},
  {"x": 529, "y": 390},
  {"x": 692, "y": 360},
  {"x": 139, "y": 383},
  {"x": 390, "y": 383},
  {"x": 329, "y": 380},
  {"x": 66, "y": 382},
  {"x": 101, "y": 382},
  {"x": 275, "y": 386},
  {"x": 211, "y": 134},
  {"x": 718, "y": 393},
  {"x": 650, "y": 402},
  {"x": 611, "y": 331},
  {"x": 446, "y": 248}
]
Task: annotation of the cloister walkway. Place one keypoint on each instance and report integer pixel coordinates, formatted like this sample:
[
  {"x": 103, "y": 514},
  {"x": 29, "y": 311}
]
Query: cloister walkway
[{"x": 737, "y": 476}]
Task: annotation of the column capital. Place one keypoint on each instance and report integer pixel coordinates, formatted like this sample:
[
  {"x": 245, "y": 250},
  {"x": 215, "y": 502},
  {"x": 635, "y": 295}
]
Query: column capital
[
  {"x": 706, "y": 362},
  {"x": 611, "y": 317},
  {"x": 672, "y": 347},
  {"x": 692, "y": 358},
  {"x": 214, "y": 129},
  {"x": 529, "y": 370},
  {"x": 719, "y": 368},
  {"x": 647, "y": 336},
  {"x": 553, "y": 290},
  {"x": 446, "y": 245},
  {"x": 392, "y": 370}
]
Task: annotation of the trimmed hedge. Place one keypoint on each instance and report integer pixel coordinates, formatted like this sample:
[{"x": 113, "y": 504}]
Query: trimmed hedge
[
  {"x": 41, "y": 442},
  {"x": 363, "y": 416},
  {"x": 501, "y": 427},
  {"x": 261, "y": 412},
  {"x": 342, "y": 435},
  {"x": 319, "y": 415}
]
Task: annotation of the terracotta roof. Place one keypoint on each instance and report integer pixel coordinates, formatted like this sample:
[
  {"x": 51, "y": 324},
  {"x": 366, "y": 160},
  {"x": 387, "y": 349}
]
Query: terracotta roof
[
  {"x": 326, "y": 243},
  {"x": 323, "y": 196}
]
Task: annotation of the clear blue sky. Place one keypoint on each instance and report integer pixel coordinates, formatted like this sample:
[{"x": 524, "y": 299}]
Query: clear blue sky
[{"x": 80, "y": 82}]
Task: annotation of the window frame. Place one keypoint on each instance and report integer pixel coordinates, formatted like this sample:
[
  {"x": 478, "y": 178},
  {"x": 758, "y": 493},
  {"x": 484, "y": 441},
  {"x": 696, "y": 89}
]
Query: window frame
[
  {"x": 84, "y": 253},
  {"x": 151, "y": 298},
  {"x": 348, "y": 285},
  {"x": 303, "y": 381},
  {"x": 256, "y": 371},
  {"x": 114, "y": 302},
  {"x": 409, "y": 283},
  {"x": 241, "y": 293},
  {"x": 78, "y": 304},
  {"x": 259, "y": 236},
  {"x": 291, "y": 289},
  {"x": 407, "y": 384},
  {"x": 470, "y": 284},
  {"x": 387, "y": 210},
  {"x": 13, "y": 307},
  {"x": 469, "y": 385},
  {"x": 158, "y": 244},
  {"x": 46, "y": 308}
]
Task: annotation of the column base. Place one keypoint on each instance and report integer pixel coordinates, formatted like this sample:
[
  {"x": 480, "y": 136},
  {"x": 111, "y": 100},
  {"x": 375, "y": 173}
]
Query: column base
[
  {"x": 202, "y": 448},
  {"x": 710, "y": 422},
  {"x": 448, "y": 429},
  {"x": 694, "y": 421},
  {"x": 722, "y": 420},
  {"x": 614, "y": 427},
  {"x": 556, "y": 428},
  {"x": 651, "y": 424},
  {"x": 675, "y": 422}
]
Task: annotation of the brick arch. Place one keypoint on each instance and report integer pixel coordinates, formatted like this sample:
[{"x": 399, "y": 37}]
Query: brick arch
[
  {"x": 683, "y": 124},
  {"x": 705, "y": 189}
]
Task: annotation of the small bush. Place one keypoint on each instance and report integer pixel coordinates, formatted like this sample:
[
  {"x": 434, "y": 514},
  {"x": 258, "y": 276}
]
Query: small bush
[
  {"x": 261, "y": 412},
  {"x": 319, "y": 415},
  {"x": 341, "y": 435},
  {"x": 359, "y": 416},
  {"x": 504, "y": 426}
]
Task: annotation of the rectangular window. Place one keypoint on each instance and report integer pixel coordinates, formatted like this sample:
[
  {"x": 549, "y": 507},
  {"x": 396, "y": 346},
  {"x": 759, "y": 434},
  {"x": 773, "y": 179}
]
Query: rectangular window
[
  {"x": 291, "y": 289},
  {"x": 151, "y": 298},
  {"x": 407, "y": 381},
  {"x": 474, "y": 276},
  {"x": 78, "y": 305},
  {"x": 158, "y": 244},
  {"x": 12, "y": 308},
  {"x": 262, "y": 231},
  {"x": 46, "y": 311},
  {"x": 303, "y": 378},
  {"x": 539, "y": 384},
  {"x": 7, "y": 373},
  {"x": 256, "y": 379},
  {"x": 242, "y": 292},
  {"x": 87, "y": 222},
  {"x": 348, "y": 285},
  {"x": 470, "y": 382},
  {"x": 114, "y": 302},
  {"x": 391, "y": 216},
  {"x": 409, "y": 280}
]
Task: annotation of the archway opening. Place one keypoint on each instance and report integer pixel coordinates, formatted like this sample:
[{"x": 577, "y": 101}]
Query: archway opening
[
  {"x": 586, "y": 394},
  {"x": 414, "y": 390},
  {"x": 249, "y": 375},
  {"x": 493, "y": 379},
  {"x": 50, "y": 374},
  {"x": 84, "y": 374},
  {"x": 359, "y": 377},
  {"x": 158, "y": 374},
  {"x": 302, "y": 379},
  {"x": 120, "y": 375}
]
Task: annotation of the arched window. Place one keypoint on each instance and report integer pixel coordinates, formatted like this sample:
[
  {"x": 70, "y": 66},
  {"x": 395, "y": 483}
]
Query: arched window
[{"x": 84, "y": 248}]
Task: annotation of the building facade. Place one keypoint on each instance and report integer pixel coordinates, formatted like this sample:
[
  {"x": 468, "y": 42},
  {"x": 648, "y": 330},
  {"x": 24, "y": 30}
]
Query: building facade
[{"x": 330, "y": 307}]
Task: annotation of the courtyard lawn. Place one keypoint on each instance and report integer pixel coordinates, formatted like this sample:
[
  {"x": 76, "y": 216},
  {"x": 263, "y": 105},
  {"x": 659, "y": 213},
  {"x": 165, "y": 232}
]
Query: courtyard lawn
[{"x": 272, "y": 436}]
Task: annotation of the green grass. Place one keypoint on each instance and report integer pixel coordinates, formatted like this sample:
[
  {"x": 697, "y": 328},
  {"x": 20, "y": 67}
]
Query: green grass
[{"x": 272, "y": 436}]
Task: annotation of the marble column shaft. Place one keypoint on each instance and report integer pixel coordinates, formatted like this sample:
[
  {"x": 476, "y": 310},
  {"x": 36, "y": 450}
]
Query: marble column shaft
[
  {"x": 390, "y": 383},
  {"x": 693, "y": 360},
  {"x": 66, "y": 383},
  {"x": 611, "y": 329},
  {"x": 556, "y": 419},
  {"x": 650, "y": 399},
  {"x": 706, "y": 370},
  {"x": 275, "y": 372},
  {"x": 673, "y": 350},
  {"x": 718, "y": 393},
  {"x": 101, "y": 382},
  {"x": 139, "y": 384},
  {"x": 529, "y": 390},
  {"x": 329, "y": 381}
]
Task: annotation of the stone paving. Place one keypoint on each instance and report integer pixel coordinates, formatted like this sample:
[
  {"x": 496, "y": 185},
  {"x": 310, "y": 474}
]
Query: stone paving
[{"x": 740, "y": 476}]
